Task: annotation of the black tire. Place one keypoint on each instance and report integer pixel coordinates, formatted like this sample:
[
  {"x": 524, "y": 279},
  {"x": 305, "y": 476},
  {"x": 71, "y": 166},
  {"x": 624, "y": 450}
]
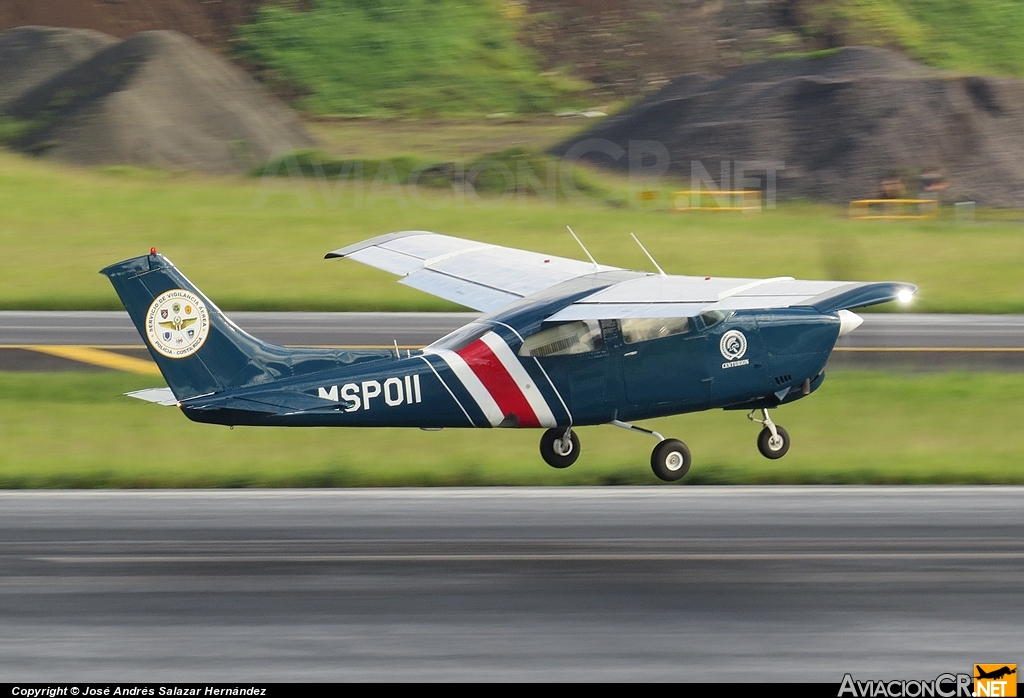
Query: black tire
[
  {"x": 550, "y": 452},
  {"x": 770, "y": 449},
  {"x": 670, "y": 460}
]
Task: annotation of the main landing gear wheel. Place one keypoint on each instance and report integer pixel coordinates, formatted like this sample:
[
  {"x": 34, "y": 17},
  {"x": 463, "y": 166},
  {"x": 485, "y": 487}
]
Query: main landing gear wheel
[
  {"x": 670, "y": 460},
  {"x": 773, "y": 445},
  {"x": 559, "y": 447}
]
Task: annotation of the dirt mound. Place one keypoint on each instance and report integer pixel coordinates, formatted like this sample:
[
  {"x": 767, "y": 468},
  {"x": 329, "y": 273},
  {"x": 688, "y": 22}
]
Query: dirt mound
[
  {"x": 839, "y": 124},
  {"x": 157, "y": 99},
  {"x": 211, "y": 22},
  {"x": 29, "y": 56}
]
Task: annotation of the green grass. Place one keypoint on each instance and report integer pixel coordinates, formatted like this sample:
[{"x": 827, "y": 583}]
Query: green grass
[
  {"x": 516, "y": 169},
  {"x": 12, "y": 130},
  {"x": 259, "y": 244},
  {"x": 388, "y": 57},
  {"x": 860, "y": 427},
  {"x": 966, "y": 36},
  {"x": 445, "y": 140}
]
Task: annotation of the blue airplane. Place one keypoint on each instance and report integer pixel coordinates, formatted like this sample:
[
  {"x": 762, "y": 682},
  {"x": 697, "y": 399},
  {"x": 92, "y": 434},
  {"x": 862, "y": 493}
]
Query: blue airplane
[{"x": 562, "y": 343}]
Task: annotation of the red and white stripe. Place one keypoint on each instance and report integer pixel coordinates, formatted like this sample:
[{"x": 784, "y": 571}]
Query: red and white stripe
[{"x": 497, "y": 381}]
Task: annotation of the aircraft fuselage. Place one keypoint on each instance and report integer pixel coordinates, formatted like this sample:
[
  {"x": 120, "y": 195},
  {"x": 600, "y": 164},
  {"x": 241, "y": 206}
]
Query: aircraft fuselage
[{"x": 746, "y": 360}]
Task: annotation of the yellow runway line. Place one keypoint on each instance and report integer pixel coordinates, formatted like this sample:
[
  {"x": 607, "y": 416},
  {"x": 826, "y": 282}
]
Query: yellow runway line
[
  {"x": 120, "y": 362},
  {"x": 98, "y": 357}
]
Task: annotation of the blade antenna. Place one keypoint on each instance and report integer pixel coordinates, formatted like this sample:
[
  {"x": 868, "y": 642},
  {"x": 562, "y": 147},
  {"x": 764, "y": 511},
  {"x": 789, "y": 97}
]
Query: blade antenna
[
  {"x": 656, "y": 265},
  {"x": 597, "y": 267}
]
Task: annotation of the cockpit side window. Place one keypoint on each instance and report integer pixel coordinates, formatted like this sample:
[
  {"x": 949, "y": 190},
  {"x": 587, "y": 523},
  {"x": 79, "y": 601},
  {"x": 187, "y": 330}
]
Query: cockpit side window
[
  {"x": 571, "y": 338},
  {"x": 713, "y": 317},
  {"x": 643, "y": 329}
]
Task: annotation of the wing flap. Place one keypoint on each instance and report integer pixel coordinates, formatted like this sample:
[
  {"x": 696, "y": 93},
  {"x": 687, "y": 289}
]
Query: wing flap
[{"x": 461, "y": 291}]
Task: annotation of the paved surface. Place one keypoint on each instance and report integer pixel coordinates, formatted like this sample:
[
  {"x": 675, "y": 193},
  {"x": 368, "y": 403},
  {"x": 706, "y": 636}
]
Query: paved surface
[
  {"x": 296, "y": 329},
  {"x": 33, "y": 341},
  {"x": 661, "y": 583}
]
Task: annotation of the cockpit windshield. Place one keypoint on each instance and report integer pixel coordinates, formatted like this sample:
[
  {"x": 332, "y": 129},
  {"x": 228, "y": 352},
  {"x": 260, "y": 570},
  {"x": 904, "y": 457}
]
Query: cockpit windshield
[
  {"x": 713, "y": 317},
  {"x": 462, "y": 337}
]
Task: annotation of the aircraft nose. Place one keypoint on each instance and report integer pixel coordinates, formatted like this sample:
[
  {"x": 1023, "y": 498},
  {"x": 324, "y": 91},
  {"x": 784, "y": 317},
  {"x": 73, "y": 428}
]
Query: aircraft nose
[{"x": 848, "y": 322}]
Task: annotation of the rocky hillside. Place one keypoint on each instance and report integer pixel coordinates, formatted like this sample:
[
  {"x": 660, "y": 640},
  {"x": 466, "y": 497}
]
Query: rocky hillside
[{"x": 836, "y": 126}]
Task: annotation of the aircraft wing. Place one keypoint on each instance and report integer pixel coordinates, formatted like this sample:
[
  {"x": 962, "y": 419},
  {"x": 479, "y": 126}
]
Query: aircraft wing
[
  {"x": 474, "y": 274},
  {"x": 489, "y": 277},
  {"x": 685, "y": 296}
]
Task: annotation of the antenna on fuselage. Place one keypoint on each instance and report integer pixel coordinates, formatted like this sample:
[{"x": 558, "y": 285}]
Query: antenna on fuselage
[
  {"x": 656, "y": 265},
  {"x": 597, "y": 267}
]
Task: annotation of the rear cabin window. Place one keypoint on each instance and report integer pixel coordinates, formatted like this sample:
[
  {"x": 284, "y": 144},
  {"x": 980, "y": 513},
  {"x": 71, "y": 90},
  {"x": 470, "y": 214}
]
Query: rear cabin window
[
  {"x": 571, "y": 338},
  {"x": 643, "y": 329}
]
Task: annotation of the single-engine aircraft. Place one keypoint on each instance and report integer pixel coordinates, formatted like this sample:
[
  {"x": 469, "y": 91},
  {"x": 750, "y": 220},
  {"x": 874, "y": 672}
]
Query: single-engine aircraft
[{"x": 562, "y": 343}]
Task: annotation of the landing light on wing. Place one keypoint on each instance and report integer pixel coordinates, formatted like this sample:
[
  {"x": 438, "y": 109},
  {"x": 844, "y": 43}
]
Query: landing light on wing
[
  {"x": 905, "y": 296},
  {"x": 848, "y": 322}
]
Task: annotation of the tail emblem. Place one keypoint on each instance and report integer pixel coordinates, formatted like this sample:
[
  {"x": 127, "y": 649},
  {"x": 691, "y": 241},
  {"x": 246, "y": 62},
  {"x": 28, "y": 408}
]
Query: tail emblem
[{"x": 177, "y": 324}]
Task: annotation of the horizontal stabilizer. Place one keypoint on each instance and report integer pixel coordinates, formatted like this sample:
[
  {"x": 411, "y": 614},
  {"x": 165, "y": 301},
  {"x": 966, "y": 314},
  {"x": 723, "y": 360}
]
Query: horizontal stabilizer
[{"x": 161, "y": 396}]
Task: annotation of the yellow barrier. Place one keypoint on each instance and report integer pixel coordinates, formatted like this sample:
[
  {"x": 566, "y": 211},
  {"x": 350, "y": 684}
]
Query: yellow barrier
[
  {"x": 869, "y": 209},
  {"x": 693, "y": 200}
]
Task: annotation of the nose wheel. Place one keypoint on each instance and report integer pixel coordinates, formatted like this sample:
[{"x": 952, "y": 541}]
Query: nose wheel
[
  {"x": 773, "y": 441},
  {"x": 560, "y": 447}
]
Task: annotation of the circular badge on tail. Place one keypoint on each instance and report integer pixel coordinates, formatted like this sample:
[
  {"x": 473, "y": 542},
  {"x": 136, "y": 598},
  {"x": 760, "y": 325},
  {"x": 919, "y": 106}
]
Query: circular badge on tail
[{"x": 177, "y": 323}]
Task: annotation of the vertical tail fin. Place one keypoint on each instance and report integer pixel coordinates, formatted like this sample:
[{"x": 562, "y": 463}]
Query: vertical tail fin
[{"x": 198, "y": 350}]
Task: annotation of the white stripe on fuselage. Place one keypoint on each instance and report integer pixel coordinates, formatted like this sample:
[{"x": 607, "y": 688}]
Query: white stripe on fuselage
[
  {"x": 522, "y": 379},
  {"x": 434, "y": 370},
  {"x": 476, "y": 389}
]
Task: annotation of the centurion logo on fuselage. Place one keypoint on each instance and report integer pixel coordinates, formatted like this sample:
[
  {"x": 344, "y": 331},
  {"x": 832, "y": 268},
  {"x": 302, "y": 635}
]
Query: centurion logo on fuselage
[
  {"x": 733, "y": 346},
  {"x": 177, "y": 323}
]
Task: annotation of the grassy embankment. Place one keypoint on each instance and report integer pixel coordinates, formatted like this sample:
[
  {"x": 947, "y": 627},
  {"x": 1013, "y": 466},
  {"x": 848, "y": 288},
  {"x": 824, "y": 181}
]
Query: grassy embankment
[
  {"x": 409, "y": 57},
  {"x": 433, "y": 57},
  {"x": 254, "y": 244},
  {"x": 965, "y": 36},
  {"x": 860, "y": 427}
]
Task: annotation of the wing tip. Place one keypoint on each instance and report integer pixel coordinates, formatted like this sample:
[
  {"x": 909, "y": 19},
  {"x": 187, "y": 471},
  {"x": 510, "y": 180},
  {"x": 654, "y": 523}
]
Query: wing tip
[{"x": 355, "y": 247}]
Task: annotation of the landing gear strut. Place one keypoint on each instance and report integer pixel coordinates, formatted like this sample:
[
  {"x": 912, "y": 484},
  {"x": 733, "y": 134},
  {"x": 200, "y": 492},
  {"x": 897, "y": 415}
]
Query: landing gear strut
[
  {"x": 670, "y": 459},
  {"x": 560, "y": 447},
  {"x": 773, "y": 441}
]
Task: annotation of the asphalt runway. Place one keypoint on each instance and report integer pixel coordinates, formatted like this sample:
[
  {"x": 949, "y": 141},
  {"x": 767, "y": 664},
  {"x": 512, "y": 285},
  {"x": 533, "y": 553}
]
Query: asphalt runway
[
  {"x": 31, "y": 340},
  {"x": 596, "y": 584}
]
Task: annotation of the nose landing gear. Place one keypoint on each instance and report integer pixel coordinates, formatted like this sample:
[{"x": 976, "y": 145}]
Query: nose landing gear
[
  {"x": 560, "y": 447},
  {"x": 773, "y": 441}
]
